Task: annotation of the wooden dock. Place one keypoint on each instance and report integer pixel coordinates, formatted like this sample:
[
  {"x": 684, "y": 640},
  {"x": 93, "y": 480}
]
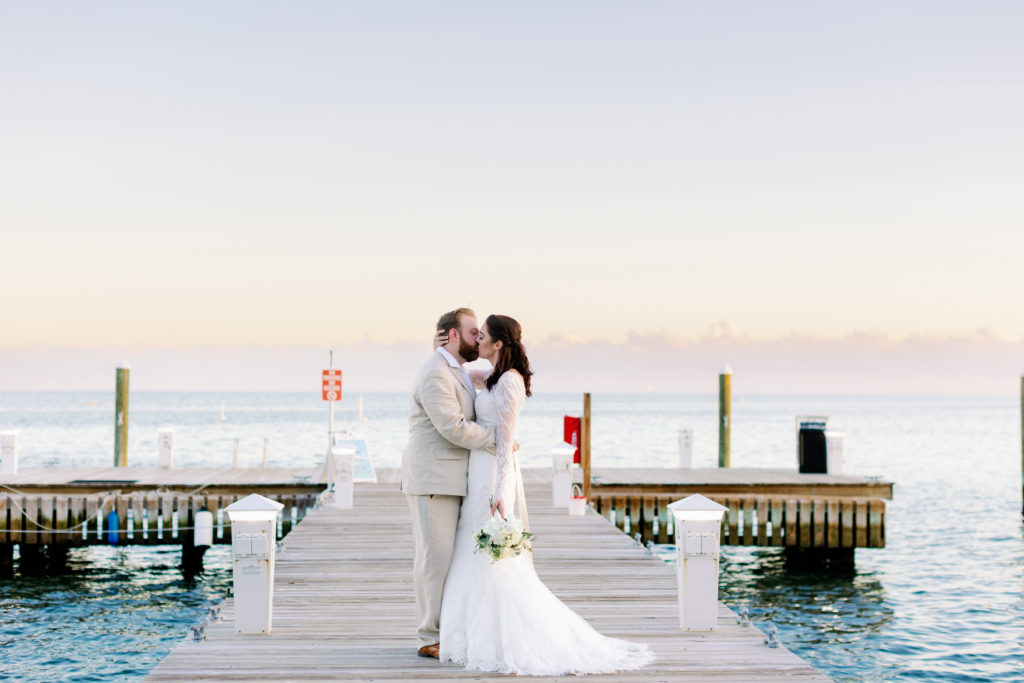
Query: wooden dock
[
  {"x": 45, "y": 511},
  {"x": 344, "y": 606},
  {"x": 63, "y": 507},
  {"x": 767, "y": 507}
]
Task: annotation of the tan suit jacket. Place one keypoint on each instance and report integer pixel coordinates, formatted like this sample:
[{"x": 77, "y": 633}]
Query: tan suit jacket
[{"x": 441, "y": 431}]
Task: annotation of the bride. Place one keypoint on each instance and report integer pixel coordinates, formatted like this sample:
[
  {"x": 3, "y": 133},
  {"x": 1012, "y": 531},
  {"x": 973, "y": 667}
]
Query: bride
[{"x": 500, "y": 617}]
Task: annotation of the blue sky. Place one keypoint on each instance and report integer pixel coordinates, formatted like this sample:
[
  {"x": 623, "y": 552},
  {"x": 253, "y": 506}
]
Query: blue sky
[{"x": 185, "y": 179}]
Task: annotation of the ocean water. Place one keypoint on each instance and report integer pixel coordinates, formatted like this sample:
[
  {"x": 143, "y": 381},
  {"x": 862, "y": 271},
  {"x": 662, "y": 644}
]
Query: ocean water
[{"x": 944, "y": 601}]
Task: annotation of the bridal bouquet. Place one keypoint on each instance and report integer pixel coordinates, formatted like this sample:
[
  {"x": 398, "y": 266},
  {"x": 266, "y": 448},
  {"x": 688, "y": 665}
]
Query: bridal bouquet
[{"x": 501, "y": 538}]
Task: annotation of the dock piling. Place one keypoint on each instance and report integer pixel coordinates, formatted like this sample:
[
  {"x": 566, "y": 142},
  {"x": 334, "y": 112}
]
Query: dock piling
[
  {"x": 33, "y": 562},
  {"x": 191, "y": 554},
  {"x": 6, "y": 559},
  {"x": 585, "y": 445},
  {"x": 724, "y": 415},
  {"x": 121, "y": 416}
]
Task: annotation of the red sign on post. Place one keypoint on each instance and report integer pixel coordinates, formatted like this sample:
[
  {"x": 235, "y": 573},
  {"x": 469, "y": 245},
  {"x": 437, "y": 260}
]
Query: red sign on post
[
  {"x": 332, "y": 385},
  {"x": 572, "y": 435}
]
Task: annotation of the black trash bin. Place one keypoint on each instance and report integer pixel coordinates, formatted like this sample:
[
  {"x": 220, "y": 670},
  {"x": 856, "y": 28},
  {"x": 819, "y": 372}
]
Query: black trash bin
[{"x": 812, "y": 447}]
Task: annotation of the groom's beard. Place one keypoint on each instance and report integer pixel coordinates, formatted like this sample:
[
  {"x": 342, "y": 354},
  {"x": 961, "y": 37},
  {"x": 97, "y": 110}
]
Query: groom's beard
[{"x": 468, "y": 352}]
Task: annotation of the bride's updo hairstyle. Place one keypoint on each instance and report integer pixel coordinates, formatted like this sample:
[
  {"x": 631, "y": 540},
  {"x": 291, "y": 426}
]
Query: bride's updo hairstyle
[{"x": 512, "y": 355}]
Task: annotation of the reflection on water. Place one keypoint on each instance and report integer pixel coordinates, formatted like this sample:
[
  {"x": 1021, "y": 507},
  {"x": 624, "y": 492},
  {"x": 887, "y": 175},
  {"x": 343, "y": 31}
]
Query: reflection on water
[
  {"x": 112, "y": 615},
  {"x": 847, "y": 624},
  {"x": 829, "y": 618}
]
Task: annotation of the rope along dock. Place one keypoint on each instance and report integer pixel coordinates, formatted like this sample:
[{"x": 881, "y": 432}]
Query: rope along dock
[{"x": 344, "y": 607}]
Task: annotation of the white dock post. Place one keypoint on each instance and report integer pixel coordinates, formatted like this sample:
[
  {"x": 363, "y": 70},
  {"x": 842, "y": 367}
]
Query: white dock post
[
  {"x": 685, "y": 448},
  {"x": 698, "y": 523},
  {"x": 561, "y": 475},
  {"x": 342, "y": 476},
  {"x": 235, "y": 461},
  {"x": 165, "y": 446},
  {"x": 253, "y": 534},
  {"x": 834, "y": 452},
  {"x": 266, "y": 448},
  {"x": 9, "y": 452}
]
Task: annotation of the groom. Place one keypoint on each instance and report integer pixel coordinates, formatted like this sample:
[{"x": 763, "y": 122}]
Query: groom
[{"x": 435, "y": 464}]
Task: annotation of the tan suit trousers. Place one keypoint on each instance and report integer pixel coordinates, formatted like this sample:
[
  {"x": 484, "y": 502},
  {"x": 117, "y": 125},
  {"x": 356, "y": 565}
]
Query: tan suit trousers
[{"x": 434, "y": 519}]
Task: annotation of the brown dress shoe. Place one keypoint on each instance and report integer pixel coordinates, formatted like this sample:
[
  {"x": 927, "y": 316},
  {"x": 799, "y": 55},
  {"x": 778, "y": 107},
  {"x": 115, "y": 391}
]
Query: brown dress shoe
[{"x": 430, "y": 651}]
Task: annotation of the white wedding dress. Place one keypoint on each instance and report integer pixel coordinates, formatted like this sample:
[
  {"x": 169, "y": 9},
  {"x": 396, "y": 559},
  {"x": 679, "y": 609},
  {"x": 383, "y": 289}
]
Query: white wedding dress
[{"x": 500, "y": 617}]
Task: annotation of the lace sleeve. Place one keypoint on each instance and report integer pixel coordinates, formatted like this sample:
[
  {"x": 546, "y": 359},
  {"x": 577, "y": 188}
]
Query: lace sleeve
[{"x": 509, "y": 396}]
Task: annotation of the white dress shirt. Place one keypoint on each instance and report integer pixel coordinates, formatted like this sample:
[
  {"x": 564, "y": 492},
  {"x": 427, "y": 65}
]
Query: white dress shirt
[{"x": 450, "y": 359}]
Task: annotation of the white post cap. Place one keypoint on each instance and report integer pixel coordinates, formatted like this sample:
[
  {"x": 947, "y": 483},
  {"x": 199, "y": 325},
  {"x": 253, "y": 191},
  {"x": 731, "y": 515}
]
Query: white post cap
[
  {"x": 697, "y": 507},
  {"x": 726, "y": 370},
  {"x": 253, "y": 508},
  {"x": 123, "y": 365}
]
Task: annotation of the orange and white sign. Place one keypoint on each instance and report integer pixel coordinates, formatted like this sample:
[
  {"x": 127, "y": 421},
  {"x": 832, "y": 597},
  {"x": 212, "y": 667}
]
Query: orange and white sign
[{"x": 332, "y": 385}]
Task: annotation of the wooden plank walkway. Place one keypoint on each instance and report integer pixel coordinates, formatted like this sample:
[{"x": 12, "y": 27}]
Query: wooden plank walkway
[{"x": 344, "y": 608}]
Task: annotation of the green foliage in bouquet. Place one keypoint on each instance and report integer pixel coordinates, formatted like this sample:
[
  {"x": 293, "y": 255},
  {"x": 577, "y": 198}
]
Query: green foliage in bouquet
[{"x": 501, "y": 538}]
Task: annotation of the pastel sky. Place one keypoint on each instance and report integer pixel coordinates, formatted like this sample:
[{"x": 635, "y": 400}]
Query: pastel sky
[{"x": 828, "y": 196}]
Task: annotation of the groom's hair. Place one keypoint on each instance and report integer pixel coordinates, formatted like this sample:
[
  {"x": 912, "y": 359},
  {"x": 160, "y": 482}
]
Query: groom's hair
[{"x": 450, "y": 320}]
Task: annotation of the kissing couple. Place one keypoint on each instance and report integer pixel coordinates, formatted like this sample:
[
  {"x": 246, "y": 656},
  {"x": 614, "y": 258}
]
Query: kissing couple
[{"x": 460, "y": 471}]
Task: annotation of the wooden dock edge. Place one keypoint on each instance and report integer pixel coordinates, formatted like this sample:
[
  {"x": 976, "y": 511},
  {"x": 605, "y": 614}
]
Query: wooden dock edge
[
  {"x": 830, "y": 523},
  {"x": 144, "y": 518}
]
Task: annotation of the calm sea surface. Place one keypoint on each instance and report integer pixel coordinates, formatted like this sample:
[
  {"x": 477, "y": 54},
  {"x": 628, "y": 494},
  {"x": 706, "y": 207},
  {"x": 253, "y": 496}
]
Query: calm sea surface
[{"x": 944, "y": 601}]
